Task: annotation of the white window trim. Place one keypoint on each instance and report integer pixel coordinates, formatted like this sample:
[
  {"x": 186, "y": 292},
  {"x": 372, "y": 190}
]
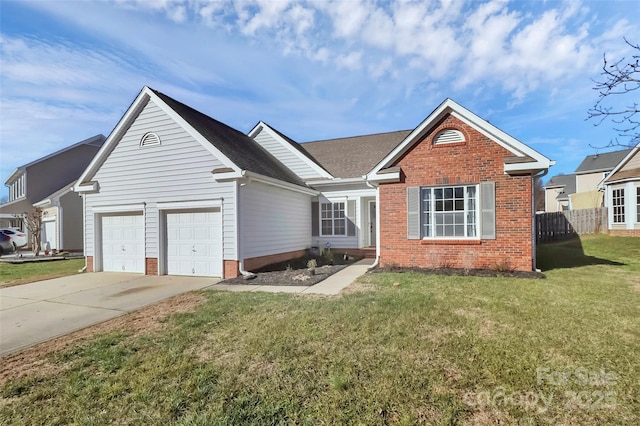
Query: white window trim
[
  {"x": 476, "y": 216},
  {"x": 622, "y": 206},
  {"x": 333, "y": 219},
  {"x": 637, "y": 204}
]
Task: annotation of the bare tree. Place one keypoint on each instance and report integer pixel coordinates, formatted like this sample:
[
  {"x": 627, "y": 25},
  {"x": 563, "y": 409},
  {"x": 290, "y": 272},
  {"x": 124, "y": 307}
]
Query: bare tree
[
  {"x": 33, "y": 223},
  {"x": 538, "y": 195},
  {"x": 620, "y": 80}
]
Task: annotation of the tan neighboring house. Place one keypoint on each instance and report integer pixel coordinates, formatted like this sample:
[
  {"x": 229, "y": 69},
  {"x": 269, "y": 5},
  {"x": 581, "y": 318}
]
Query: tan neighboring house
[
  {"x": 47, "y": 183},
  {"x": 589, "y": 174},
  {"x": 622, "y": 195},
  {"x": 557, "y": 192},
  {"x": 582, "y": 190}
]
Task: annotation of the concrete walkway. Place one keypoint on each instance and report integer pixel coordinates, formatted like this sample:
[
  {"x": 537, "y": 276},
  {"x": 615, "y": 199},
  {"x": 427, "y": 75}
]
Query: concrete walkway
[
  {"x": 35, "y": 312},
  {"x": 331, "y": 285}
]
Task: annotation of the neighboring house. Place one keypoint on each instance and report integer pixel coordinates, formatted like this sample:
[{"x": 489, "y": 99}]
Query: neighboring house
[
  {"x": 622, "y": 195},
  {"x": 47, "y": 183},
  {"x": 173, "y": 191},
  {"x": 580, "y": 190},
  {"x": 589, "y": 174},
  {"x": 557, "y": 192}
]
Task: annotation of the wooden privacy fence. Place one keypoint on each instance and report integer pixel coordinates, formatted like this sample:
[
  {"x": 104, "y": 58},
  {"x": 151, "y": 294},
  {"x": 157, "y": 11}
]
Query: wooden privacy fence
[{"x": 551, "y": 226}]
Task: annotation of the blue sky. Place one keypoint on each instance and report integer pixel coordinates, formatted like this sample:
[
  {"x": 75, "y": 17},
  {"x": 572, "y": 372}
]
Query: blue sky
[{"x": 312, "y": 69}]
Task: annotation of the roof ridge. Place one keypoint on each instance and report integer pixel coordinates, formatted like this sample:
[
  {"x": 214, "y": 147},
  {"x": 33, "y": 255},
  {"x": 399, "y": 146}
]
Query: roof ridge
[{"x": 356, "y": 136}]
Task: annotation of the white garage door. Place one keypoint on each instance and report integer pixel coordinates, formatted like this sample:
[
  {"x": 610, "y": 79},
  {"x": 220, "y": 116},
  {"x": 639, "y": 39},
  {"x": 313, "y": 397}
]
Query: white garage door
[
  {"x": 123, "y": 243},
  {"x": 194, "y": 243}
]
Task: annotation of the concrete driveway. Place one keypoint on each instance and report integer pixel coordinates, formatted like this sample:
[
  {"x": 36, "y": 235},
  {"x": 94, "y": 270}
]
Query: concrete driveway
[{"x": 33, "y": 313}]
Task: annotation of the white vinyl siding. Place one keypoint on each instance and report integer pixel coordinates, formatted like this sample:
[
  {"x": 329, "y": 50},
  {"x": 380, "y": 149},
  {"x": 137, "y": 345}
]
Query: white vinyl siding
[
  {"x": 177, "y": 170},
  {"x": 286, "y": 155},
  {"x": 273, "y": 220}
]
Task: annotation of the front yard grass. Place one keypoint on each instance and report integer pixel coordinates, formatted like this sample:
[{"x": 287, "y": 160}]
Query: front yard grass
[
  {"x": 397, "y": 348},
  {"x": 22, "y": 273}
]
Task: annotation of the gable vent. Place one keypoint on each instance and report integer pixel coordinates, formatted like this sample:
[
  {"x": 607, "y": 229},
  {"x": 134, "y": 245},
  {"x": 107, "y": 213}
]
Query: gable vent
[
  {"x": 448, "y": 136},
  {"x": 150, "y": 139}
]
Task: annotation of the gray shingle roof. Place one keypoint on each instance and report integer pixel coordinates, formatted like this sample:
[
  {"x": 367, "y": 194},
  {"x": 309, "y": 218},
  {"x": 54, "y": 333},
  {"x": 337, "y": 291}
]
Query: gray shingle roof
[
  {"x": 601, "y": 162},
  {"x": 568, "y": 182},
  {"x": 354, "y": 156},
  {"x": 238, "y": 147}
]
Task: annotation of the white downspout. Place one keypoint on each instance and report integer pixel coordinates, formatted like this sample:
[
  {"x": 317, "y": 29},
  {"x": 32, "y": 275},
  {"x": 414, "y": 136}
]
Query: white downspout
[
  {"x": 377, "y": 261},
  {"x": 533, "y": 218},
  {"x": 241, "y": 269},
  {"x": 84, "y": 232}
]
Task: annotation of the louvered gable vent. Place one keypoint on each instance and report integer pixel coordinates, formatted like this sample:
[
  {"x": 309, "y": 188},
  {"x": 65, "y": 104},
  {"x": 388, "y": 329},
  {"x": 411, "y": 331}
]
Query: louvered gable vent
[
  {"x": 448, "y": 136},
  {"x": 150, "y": 139}
]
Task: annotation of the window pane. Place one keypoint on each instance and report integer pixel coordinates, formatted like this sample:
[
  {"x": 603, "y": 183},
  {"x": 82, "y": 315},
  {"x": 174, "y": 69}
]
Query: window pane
[
  {"x": 448, "y": 193},
  {"x": 459, "y": 205},
  {"x": 448, "y": 205},
  {"x": 459, "y": 230},
  {"x": 459, "y": 192},
  {"x": 338, "y": 227},
  {"x": 439, "y": 206},
  {"x": 326, "y": 227},
  {"x": 438, "y": 193}
]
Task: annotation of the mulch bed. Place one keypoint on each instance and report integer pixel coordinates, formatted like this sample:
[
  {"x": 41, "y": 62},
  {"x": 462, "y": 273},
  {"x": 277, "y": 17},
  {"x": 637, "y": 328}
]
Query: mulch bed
[
  {"x": 464, "y": 272},
  {"x": 288, "y": 277}
]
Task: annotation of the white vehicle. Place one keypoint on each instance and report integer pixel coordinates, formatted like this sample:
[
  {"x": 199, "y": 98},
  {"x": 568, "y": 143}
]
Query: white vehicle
[{"x": 18, "y": 238}]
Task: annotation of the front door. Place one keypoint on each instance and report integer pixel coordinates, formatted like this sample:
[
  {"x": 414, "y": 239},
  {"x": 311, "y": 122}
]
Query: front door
[{"x": 372, "y": 223}]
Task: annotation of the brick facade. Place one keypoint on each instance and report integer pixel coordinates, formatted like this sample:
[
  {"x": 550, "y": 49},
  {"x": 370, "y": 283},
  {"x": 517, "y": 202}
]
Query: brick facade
[
  {"x": 477, "y": 160},
  {"x": 231, "y": 269},
  {"x": 151, "y": 266},
  {"x": 89, "y": 260},
  {"x": 624, "y": 232}
]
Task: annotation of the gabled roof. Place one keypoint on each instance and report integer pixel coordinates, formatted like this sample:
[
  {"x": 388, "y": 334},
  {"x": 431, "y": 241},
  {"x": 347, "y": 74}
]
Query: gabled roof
[
  {"x": 96, "y": 140},
  {"x": 294, "y": 146},
  {"x": 242, "y": 150},
  {"x": 567, "y": 182},
  {"x": 617, "y": 174},
  {"x": 601, "y": 162},
  {"x": 528, "y": 161},
  {"x": 354, "y": 156},
  {"x": 238, "y": 152}
]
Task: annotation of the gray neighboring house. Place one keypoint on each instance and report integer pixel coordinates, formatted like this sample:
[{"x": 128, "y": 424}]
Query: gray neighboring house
[
  {"x": 48, "y": 183},
  {"x": 557, "y": 192}
]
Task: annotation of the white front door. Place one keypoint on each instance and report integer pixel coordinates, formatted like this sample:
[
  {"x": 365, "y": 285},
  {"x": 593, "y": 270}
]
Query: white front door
[
  {"x": 123, "y": 243},
  {"x": 49, "y": 240},
  {"x": 194, "y": 243}
]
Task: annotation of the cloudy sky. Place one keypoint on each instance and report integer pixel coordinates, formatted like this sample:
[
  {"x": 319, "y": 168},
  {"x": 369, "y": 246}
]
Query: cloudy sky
[{"x": 312, "y": 69}]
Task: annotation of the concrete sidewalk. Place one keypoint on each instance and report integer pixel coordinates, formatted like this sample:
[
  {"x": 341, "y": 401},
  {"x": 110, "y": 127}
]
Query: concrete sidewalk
[{"x": 329, "y": 286}]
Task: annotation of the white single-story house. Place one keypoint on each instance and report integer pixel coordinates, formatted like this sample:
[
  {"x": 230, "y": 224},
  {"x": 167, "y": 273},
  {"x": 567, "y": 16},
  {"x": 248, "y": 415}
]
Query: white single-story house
[{"x": 173, "y": 191}]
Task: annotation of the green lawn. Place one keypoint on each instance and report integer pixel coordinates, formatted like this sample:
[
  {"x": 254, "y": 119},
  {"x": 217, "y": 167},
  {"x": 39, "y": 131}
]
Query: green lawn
[
  {"x": 430, "y": 350},
  {"x": 21, "y": 273}
]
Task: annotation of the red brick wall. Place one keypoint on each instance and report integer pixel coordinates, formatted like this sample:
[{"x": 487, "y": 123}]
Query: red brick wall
[
  {"x": 477, "y": 160},
  {"x": 151, "y": 266},
  {"x": 89, "y": 263},
  {"x": 231, "y": 269},
  {"x": 625, "y": 232}
]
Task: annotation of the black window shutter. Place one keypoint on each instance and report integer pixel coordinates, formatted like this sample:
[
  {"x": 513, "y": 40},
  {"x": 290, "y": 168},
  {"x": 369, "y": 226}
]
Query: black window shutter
[{"x": 315, "y": 220}]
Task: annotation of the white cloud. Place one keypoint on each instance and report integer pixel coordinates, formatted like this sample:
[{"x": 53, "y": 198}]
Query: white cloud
[{"x": 351, "y": 61}]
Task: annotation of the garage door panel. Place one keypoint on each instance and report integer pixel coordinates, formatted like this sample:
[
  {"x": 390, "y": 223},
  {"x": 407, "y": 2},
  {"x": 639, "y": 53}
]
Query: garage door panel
[
  {"x": 123, "y": 243},
  {"x": 194, "y": 244}
]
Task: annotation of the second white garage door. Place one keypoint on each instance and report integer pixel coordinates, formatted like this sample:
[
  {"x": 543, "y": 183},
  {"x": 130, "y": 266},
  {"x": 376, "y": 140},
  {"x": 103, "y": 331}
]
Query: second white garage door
[{"x": 194, "y": 243}]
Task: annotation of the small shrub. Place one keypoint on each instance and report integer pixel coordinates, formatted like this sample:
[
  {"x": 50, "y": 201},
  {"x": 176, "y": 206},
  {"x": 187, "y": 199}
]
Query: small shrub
[{"x": 503, "y": 266}]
